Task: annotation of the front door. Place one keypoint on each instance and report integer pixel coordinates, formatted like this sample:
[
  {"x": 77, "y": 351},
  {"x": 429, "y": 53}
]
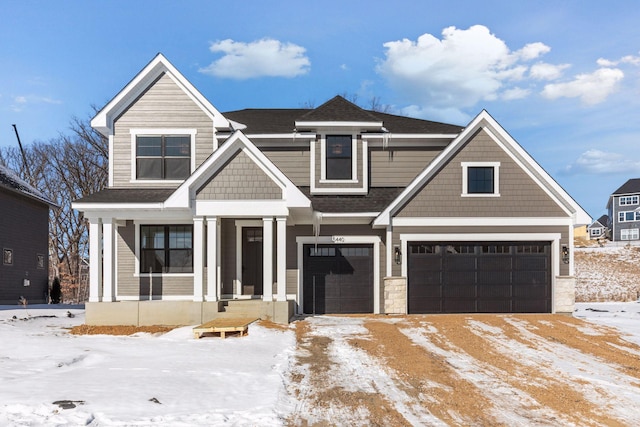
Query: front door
[{"x": 251, "y": 260}]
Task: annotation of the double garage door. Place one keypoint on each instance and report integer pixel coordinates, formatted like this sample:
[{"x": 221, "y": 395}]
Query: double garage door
[
  {"x": 338, "y": 279},
  {"x": 472, "y": 277}
]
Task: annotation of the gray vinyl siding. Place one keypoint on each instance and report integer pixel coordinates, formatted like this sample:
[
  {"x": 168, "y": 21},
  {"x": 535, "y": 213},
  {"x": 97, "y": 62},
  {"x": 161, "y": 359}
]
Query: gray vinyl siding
[
  {"x": 494, "y": 231},
  {"x": 520, "y": 196},
  {"x": 240, "y": 179},
  {"x": 294, "y": 163},
  {"x": 163, "y": 105},
  {"x": 398, "y": 167},
  {"x": 24, "y": 228},
  {"x": 616, "y": 234},
  {"x": 129, "y": 285}
]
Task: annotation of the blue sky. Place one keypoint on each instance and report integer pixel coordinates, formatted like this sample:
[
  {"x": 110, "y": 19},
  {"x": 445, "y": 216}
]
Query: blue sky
[{"x": 562, "y": 77}]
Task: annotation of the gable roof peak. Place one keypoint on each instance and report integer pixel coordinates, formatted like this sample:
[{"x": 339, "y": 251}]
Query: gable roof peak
[
  {"x": 631, "y": 186},
  {"x": 338, "y": 109}
]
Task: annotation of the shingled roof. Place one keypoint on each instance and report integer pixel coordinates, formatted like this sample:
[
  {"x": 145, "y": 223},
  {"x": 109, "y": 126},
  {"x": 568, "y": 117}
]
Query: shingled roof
[
  {"x": 11, "y": 181},
  {"x": 128, "y": 195},
  {"x": 265, "y": 121},
  {"x": 375, "y": 200},
  {"x": 631, "y": 186}
]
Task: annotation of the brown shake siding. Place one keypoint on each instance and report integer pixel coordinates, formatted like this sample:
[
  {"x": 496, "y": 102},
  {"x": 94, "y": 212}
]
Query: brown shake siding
[
  {"x": 397, "y": 167},
  {"x": 293, "y": 163},
  {"x": 240, "y": 179},
  {"x": 129, "y": 285},
  {"x": 520, "y": 196},
  {"x": 494, "y": 231},
  {"x": 163, "y": 105}
]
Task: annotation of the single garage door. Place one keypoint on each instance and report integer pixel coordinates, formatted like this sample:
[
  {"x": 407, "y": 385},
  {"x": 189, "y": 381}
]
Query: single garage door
[
  {"x": 472, "y": 277},
  {"x": 338, "y": 279}
]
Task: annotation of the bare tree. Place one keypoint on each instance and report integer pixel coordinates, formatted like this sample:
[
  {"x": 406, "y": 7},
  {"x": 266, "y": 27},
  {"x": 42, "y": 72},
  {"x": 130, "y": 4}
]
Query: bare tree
[{"x": 65, "y": 169}]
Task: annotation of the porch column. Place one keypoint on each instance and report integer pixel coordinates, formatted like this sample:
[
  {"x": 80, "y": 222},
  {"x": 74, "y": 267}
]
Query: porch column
[
  {"x": 281, "y": 261},
  {"x": 212, "y": 258},
  {"x": 95, "y": 260},
  {"x": 108, "y": 238},
  {"x": 198, "y": 259},
  {"x": 267, "y": 259}
]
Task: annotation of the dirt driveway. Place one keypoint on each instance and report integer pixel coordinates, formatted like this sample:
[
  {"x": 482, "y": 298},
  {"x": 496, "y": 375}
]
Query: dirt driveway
[{"x": 481, "y": 370}]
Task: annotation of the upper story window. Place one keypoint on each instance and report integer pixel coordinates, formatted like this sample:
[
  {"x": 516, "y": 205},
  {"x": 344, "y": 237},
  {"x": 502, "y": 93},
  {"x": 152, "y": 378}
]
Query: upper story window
[
  {"x": 480, "y": 179},
  {"x": 629, "y": 200},
  {"x": 628, "y": 216},
  {"x": 339, "y": 157},
  {"x": 163, "y": 157}
]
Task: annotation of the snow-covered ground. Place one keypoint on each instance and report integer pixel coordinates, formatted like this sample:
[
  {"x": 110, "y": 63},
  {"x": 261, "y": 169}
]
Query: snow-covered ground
[
  {"x": 174, "y": 379},
  {"x": 171, "y": 379}
]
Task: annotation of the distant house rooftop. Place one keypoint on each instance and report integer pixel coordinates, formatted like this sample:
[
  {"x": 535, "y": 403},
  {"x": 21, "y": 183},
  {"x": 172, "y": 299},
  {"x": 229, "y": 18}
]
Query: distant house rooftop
[{"x": 12, "y": 182}]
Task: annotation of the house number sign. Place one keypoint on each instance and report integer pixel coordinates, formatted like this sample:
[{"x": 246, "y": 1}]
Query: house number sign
[{"x": 337, "y": 239}]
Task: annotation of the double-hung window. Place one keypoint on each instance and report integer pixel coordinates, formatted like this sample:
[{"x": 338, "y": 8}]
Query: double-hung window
[
  {"x": 163, "y": 157},
  {"x": 338, "y": 159},
  {"x": 166, "y": 248}
]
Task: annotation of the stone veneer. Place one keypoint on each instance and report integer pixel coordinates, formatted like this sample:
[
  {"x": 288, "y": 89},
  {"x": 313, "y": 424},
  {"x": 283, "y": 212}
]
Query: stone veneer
[
  {"x": 564, "y": 294},
  {"x": 395, "y": 295}
]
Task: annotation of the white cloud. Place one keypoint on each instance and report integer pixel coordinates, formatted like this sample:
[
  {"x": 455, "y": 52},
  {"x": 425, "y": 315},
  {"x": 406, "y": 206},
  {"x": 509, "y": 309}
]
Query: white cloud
[
  {"x": 627, "y": 59},
  {"x": 446, "y": 115},
  {"x": 602, "y": 162},
  {"x": 459, "y": 70},
  {"x": 545, "y": 71},
  {"x": 590, "y": 88},
  {"x": 515, "y": 93},
  {"x": 20, "y": 102},
  {"x": 265, "y": 57}
]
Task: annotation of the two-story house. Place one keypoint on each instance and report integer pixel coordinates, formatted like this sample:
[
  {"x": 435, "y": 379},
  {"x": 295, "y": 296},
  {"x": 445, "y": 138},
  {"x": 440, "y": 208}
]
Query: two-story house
[
  {"x": 334, "y": 209},
  {"x": 24, "y": 241},
  {"x": 624, "y": 211}
]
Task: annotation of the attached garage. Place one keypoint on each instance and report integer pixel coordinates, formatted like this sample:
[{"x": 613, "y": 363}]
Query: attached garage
[
  {"x": 479, "y": 277},
  {"x": 338, "y": 278}
]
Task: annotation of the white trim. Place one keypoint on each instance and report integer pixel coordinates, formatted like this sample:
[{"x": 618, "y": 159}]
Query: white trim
[
  {"x": 396, "y": 135},
  {"x": 338, "y": 124},
  {"x": 554, "y": 238},
  {"x": 267, "y": 259},
  {"x": 198, "y": 242},
  {"x": 478, "y": 221},
  {"x": 465, "y": 178},
  {"x": 135, "y": 132},
  {"x": 241, "y": 208},
  {"x": 374, "y": 240},
  {"x": 323, "y": 159},
  {"x": 349, "y": 214},
  {"x": 389, "y": 250},
  {"x": 108, "y": 264},
  {"x": 281, "y": 258},
  {"x": 212, "y": 244},
  {"x": 110, "y": 159},
  {"x": 95, "y": 260},
  {"x": 322, "y": 181}
]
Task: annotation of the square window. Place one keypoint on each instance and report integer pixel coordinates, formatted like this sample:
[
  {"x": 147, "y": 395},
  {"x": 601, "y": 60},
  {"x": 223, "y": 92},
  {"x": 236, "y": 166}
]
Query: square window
[
  {"x": 161, "y": 157},
  {"x": 166, "y": 248},
  {"x": 480, "y": 180}
]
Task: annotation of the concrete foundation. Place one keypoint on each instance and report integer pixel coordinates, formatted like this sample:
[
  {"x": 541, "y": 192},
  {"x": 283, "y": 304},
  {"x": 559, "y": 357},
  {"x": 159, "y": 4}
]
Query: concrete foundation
[{"x": 180, "y": 313}]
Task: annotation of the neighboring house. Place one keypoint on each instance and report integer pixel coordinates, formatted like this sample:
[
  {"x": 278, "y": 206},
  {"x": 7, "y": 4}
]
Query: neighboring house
[
  {"x": 624, "y": 211},
  {"x": 334, "y": 209},
  {"x": 599, "y": 228},
  {"x": 24, "y": 241},
  {"x": 580, "y": 232}
]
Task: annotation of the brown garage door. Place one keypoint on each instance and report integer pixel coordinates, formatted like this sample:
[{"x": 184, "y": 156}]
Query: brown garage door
[
  {"x": 472, "y": 277},
  {"x": 338, "y": 279}
]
